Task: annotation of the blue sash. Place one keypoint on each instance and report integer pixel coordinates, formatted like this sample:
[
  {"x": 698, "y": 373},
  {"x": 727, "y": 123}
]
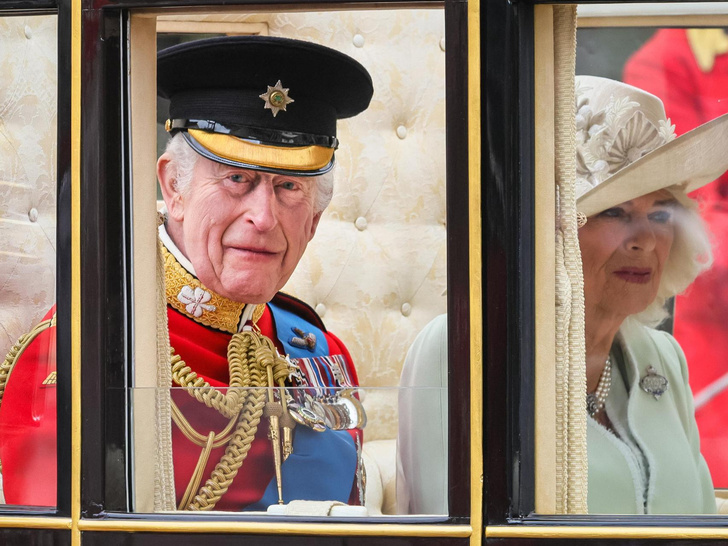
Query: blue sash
[
  {"x": 321, "y": 467},
  {"x": 323, "y": 464}
]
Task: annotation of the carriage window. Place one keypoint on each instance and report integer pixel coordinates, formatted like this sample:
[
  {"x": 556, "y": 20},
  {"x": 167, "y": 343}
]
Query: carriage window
[
  {"x": 302, "y": 383},
  {"x": 651, "y": 158},
  {"x": 28, "y": 153}
]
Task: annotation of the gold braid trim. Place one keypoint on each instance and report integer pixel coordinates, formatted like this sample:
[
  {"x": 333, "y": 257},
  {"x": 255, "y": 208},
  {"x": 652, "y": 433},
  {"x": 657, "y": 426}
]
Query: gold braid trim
[
  {"x": 235, "y": 453},
  {"x": 228, "y": 404},
  {"x": 14, "y": 354},
  {"x": 250, "y": 354}
]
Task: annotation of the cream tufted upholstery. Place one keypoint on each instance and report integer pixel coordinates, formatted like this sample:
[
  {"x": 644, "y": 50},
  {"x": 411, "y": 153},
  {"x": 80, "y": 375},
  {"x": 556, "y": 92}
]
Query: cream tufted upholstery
[
  {"x": 27, "y": 173},
  {"x": 721, "y": 501}
]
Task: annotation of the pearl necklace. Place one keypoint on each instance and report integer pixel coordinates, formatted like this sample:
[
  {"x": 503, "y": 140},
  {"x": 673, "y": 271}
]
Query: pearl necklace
[{"x": 595, "y": 400}]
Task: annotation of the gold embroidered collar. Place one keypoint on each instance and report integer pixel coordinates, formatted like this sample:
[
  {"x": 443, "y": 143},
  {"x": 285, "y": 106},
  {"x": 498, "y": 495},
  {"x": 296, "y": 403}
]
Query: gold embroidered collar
[{"x": 189, "y": 296}]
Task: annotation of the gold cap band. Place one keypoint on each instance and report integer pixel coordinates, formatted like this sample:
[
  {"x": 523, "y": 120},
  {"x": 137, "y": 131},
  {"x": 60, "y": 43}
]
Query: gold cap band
[{"x": 304, "y": 158}]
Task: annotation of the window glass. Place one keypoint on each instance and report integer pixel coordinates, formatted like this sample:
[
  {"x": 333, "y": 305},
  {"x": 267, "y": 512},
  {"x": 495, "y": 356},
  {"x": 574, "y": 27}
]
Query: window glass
[
  {"x": 373, "y": 274},
  {"x": 28, "y": 152},
  {"x": 653, "y": 197}
]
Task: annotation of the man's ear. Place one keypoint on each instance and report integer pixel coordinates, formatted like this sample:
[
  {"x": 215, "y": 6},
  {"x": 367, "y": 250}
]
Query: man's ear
[
  {"x": 314, "y": 224},
  {"x": 166, "y": 174}
]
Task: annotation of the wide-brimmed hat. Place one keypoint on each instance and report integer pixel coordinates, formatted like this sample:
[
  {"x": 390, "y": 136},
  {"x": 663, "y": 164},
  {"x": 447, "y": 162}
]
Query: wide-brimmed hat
[
  {"x": 262, "y": 102},
  {"x": 626, "y": 147}
]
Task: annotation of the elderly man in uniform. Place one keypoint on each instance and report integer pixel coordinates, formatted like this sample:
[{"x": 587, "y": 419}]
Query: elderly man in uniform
[{"x": 245, "y": 178}]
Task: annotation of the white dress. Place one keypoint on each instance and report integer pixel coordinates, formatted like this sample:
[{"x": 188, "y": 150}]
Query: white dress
[{"x": 422, "y": 439}]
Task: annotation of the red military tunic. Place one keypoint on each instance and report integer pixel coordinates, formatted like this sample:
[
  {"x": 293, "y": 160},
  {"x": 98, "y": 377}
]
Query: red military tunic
[
  {"x": 28, "y": 424},
  {"x": 667, "y": 67},
  {"x": 28, "y": 416},
  {"x": 205, "y": 350}
]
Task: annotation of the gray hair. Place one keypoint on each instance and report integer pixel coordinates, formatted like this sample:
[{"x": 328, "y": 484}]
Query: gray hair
[
  {"x": 183, "y": 160},
  {"x": 690, "y": 255}
]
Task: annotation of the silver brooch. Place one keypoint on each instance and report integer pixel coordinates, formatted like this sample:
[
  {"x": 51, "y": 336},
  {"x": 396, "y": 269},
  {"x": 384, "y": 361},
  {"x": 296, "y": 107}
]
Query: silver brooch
[
  {"x": 654, "y": 383},
  {"x": 303, "y": 340},
  {"x": 276, "y": 98}
]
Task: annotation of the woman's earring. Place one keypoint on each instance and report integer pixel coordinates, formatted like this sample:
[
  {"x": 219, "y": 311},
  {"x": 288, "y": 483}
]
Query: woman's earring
[{"x": 580, "y": 220}]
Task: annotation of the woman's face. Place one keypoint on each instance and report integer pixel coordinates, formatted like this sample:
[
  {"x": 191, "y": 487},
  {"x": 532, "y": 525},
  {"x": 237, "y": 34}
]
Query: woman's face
[{"x": 624, "y": 250}]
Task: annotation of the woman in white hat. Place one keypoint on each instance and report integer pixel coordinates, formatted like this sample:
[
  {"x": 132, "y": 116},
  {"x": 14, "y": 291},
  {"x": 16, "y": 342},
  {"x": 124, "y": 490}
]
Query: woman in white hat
[{"x": 642, "y": 241}]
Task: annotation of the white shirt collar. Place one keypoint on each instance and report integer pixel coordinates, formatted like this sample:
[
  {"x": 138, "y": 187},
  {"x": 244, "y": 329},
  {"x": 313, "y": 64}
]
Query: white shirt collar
[{"x": 176, "y": 252}]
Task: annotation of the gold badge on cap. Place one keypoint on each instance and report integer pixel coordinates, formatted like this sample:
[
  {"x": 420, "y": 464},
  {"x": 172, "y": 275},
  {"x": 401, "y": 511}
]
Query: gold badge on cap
[{"x": 276, "y": 98}]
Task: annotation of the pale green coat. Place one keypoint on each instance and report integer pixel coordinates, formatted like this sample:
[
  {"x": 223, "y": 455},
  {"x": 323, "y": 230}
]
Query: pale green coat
[{"x": 678, "y": 480}]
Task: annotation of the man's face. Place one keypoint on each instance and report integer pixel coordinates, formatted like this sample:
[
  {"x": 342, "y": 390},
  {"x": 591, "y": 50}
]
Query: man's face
[{"x": 243, "y": 230}]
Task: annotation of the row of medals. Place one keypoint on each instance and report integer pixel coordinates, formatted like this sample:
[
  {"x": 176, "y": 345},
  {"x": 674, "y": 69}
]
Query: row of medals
[
  {"x": 340, "y": 411},
  {"x": 336, "y": 409}
]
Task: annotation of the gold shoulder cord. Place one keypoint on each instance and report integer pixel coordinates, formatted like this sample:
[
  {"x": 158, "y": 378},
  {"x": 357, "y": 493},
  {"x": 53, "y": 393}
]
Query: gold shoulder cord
[
  {"x": 14, "y": 354},
  {"x": 254, "y": 365}
]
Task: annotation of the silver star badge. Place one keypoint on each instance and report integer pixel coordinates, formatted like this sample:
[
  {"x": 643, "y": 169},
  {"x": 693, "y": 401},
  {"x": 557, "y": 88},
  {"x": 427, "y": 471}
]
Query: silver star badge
[{"x": 276, "y": 98}]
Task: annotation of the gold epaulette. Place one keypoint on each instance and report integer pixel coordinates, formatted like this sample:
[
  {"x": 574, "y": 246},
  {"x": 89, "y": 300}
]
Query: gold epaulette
[
  {"x": 706, "y": 44},
  {"x": 14, "y": 354}
]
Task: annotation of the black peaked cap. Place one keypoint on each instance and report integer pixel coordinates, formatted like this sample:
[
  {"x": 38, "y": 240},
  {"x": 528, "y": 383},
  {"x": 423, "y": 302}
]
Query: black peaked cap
[{"x": 221, "y": 80}]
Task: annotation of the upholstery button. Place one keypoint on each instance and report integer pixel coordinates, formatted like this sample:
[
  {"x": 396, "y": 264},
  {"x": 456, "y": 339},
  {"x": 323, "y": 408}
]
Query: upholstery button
[
  {"x": 406, "y": 309},
  {"x": 28, "y": 32},
  {"x": 320, "y": 309},
  {"x": 442, "y": 44},
  {"x": 361, "y": 223},
  {"x": 358, "y": 40},
  {"x": 33, "y": 214},
  {"x": 402, "y": 132}
]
